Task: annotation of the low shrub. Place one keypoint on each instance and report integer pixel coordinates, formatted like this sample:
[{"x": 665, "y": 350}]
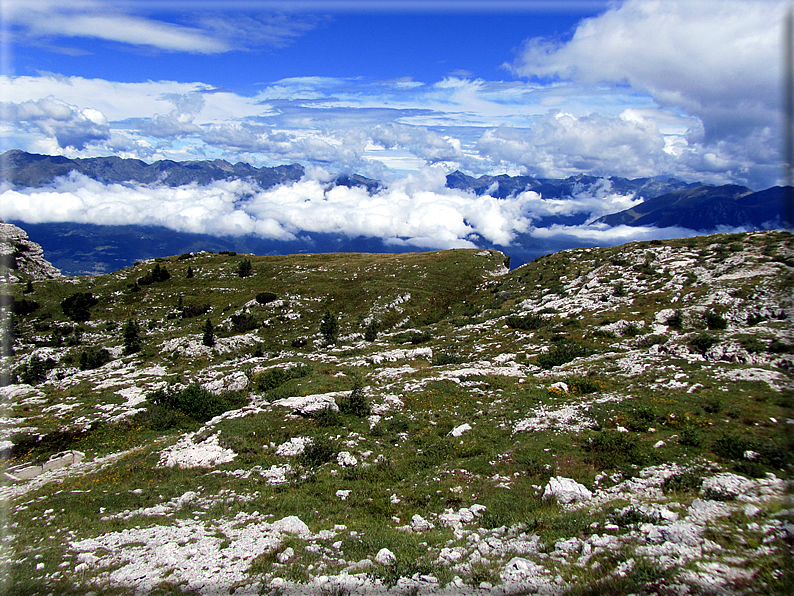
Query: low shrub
[
  {"x": 562, "y": 352},
  {"x": 581, "y": 386},
  {"x": 632, "y": 517},
  {"x": 648, "y": 341},
  {"x": 35, "y": 371},
  {"x": 371, "y": 331},
  {"x": 320, "y": 451},
  {"x": 715, "y": 321},
  {"x": 355, "y": 404},
  {"x": 266, "y": 297},
  {"x": 275, "y": 377},
  {"x": 77, "y": 306},
  {"x": 444, "y": 358},
  {"x": 94, "y": 358},
  {"x": 753, "y": 345},
  {"x": 157, "y": 274},
  {"x": 675, "y": 320},
  {"x": 193, "y": 401},
  {"x": 244, "y": 268},
  {"x": 682, "y": 482},
  {"x": 780, "y": 347},
  {"x": 327, "y": 417},
  {"x": 527, "y": 322},
  {"x": 702, "y": 342},
  {"x": 611, "y": 449},
  {"x": 195, "y": 310},
  {"x": 243, "y": 322},
  {"x": 690, "y": 437}
]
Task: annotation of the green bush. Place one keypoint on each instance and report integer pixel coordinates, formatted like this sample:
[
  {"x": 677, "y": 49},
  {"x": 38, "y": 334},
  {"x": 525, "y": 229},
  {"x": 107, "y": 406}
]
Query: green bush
[
  {"x": 194, "y": 310},
  {"x": 582, "y": 386},
  {"x": 266, "y": 297},
  {"x": 648, "y": 341},
  {"x": 35, "y": 371},
  {"x": 94, "y": 358},
  {"x": 779, "y": 347},
  {"x": 443, "y": 358},
  {"x": 562, "y": 352},
  {"x": 244, "y": 268},
  {"x": 715, "y": 321},
  {"x": 611, "y": 449},
  {"x": 243, "y": 322},
  {"x": 193, "y": 401},
  {"x": 682, "y": 482},
  {"x": 753, "y": 345},
  {"x": 329, "y": 327},
  {"x": 157, "y": 274},
  {"x": 131, "y": 335},
  {"x": 320, "y": 451},
  {"x": 327, "y": 417},
  {"x": 690, "y": 437},
  {"x": 77, "y": 306},
  {"x": 676, "y": 320},
  {"x": 355, "y": 404},
  {"x": 702, "y": 342},
  {"x": 527, "y": 322},
  {"x": 208, "y": 338},
  {"x": 275, "y": 377},
  {"x": 371, "y": 331}
]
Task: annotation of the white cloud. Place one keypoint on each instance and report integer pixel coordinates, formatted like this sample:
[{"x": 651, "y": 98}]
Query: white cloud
[
  {"x": 717, "y": 60},
  {"x": 416, "y": 210},
  {"x": 68, "y": 124},
  {"x": 122, "y": 22}
]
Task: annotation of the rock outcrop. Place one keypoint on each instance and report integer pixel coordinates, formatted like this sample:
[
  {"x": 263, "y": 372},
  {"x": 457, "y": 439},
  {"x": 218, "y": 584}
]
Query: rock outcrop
[{"x": 22, "y": 259}]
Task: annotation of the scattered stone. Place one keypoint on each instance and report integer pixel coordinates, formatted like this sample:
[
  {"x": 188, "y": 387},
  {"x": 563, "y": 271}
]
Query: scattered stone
[
  {"x": 345, "y": 459},
  {"x": 385, "y": 557},
  {"x": 566, "y": 490},
  {"x": 459, "y": 430}
]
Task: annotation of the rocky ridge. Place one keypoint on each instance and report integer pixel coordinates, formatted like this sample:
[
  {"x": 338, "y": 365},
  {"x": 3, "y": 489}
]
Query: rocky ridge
[
  {"x": 612, "y": 418},
  {"x": 20, "y": 258}
]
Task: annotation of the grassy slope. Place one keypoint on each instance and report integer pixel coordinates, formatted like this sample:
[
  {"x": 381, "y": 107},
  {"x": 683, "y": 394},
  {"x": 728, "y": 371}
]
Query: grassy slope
[{"x": 708, "y": 412}]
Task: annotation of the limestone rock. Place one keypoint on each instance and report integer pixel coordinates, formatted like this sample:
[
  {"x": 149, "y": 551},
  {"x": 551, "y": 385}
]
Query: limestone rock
[
  {"x": 385, "y": 557},
  {"x": 23, "y": 257},
  {"x": 566, "y": 490},
  {"x": 291, "y": 525}
]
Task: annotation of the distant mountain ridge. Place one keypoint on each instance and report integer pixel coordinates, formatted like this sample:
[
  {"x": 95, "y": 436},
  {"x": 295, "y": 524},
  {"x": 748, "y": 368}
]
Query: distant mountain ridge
[
  {"x": 23, "y": 169},
  {"x": 706, "y": 208},
  {"x": 92, "y": 249}
]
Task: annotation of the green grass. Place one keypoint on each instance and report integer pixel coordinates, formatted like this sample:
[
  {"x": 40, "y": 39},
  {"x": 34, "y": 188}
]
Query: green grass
[{"x": 412, "y": 464}]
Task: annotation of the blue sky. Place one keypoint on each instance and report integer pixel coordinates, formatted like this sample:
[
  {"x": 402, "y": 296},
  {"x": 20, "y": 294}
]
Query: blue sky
[{"x": 392, "y": 88}]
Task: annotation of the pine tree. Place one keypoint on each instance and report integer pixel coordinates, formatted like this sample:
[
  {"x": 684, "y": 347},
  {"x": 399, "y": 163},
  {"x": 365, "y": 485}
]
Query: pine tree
[
  {"x": 244, "y": 268},
  {"x": 209, "y": 334},
  {"x": 329, "y": 327},
  {"x": 189, "y": 272},
  {"x": 131, "y": 332}
]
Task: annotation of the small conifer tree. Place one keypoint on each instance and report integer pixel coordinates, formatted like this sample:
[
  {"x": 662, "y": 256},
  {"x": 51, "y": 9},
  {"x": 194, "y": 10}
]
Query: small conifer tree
[
  {"x": 209, "y": 334},
  {"x": 189, "y": 272},
  {"x": 131, "y": 333},
  {"x": 329, "y": 327},
  {"x": 244, "y": 268}
]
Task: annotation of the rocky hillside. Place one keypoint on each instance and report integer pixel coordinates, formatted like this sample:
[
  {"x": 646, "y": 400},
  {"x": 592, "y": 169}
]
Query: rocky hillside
[
  {"x": 599, "y": 421},
  {"x": 21, "y": 259}
]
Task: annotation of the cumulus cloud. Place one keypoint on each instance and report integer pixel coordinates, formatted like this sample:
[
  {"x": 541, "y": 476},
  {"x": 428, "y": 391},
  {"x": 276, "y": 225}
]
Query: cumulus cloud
[
  {"x": 717, "y": 60},
  {"x": 70, "y": 125},
  {"x": 416, "y": 210},
  {"x": 430, "y": 146},
  {"x": 561, "y": 145}
]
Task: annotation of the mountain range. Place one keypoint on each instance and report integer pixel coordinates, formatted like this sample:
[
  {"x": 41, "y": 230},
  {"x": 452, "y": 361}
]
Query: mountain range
[{"x": 666, "y": 203}]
